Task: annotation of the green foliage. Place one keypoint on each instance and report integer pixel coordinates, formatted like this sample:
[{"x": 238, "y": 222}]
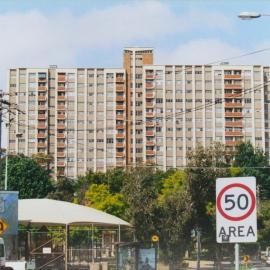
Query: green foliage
[
  {"x": 98, "y": 196},
  {"x": 141, "y": 191},
  {"x": 175, "y": 218},
  {"x": 27, "y": 177},
  {"x": 174, "y": 183},
  {"x": 175, "y": 226},
  {"x": 64, "y": 189},
  {"x": 254, "y": 162},
  {"x": 205, "y": 165}
]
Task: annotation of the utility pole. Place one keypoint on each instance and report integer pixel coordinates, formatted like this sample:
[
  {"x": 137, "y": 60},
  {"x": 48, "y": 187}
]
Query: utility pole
[
  {"x": 1, "y": 108},
  {"x": 198, "y": 234}
]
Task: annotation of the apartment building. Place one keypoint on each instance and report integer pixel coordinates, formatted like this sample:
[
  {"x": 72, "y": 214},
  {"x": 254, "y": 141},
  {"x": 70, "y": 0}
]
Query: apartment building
[
  {"x": 134, "y": 60},
  {"x": 100, "y": 118},
  {"x": 75, "y": 115},
  {"x": 187, "y": 105}
]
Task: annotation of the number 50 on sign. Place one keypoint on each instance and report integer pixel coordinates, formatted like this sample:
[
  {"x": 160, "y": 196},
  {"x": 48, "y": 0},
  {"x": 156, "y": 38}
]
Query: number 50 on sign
[{"x": 236, "y": 215}]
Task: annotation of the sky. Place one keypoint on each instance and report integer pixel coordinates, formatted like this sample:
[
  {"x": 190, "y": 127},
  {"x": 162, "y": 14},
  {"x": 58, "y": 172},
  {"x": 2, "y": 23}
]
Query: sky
[{"x": 93, "y": 33}]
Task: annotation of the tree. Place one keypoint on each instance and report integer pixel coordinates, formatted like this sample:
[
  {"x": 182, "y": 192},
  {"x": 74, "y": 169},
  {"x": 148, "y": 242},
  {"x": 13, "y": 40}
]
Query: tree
[
  {"x": 175, "y": 223},
  {"x": 115, "y": 179},
  {"x": 174, "y": 183},
  {"x": 27, "y": 177},
  {"x": 140, "y": 191},
  {"x": 205, "y": 165},
  {"x": 64, "y": 189},
  {"x": 253, "y": 162},
  {"x": 98, "y": 196},
  {"x": 43, "y": 159}
]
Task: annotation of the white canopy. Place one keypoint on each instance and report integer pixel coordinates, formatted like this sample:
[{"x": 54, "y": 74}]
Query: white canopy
[{"x": 52, "y": 212}]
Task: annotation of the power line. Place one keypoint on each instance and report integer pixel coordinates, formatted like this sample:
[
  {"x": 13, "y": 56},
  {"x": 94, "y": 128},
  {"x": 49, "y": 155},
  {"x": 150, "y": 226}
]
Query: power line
[{"x": 201, "y": 107}]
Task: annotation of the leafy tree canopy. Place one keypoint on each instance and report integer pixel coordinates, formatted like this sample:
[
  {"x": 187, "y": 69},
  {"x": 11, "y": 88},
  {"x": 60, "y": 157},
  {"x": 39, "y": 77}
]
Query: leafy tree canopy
[
  {"x": 28, "y": 177},
  {"x": 64, "y": 190},
  {"x": 253, "y": 162},
  {"x": 98, "y": 196}
]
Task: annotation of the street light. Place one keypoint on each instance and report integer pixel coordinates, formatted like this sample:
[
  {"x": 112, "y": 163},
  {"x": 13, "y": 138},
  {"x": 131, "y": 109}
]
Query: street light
[{"x": 251, "y": 15}]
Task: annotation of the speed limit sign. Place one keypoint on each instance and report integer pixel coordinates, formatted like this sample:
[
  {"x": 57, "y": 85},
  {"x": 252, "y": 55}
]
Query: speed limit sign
[{"x": 236, "y": 214}]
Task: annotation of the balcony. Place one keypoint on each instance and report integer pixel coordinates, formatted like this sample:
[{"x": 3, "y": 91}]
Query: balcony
[
  {"x": 42, "y": 79},
  {"x": 42, "y": 88},
  {"x": 61, "y": 145},
  {"x": 61, "y": 78},
  {"x": 42, "y": 107},
  {"x": 61, "y": 154},
  {"x": 61, "y": 126},
  {"x": 61, "y": 88},
  {"x": 233, "y": 105},
  {"x": 42, "y": 126},
  {"x": 233, "y": 124},
  {"x": 120, "y": 107},
  {"x": 149, "y": 105},
  {"x": 233, "y": 133},
  {"x": 120, "y": 136},
  {"x": 120, "y": 117},
  {"x": 150, "y": 143},
  {"x": 61, "y": 136},
  {"x": 63, "y": 98},
  {"x": 150, "y": 114},
  {"x": 232, "y": 76},
  {"x": 232, "y": 95},
  {"x": 42, "y": 98},
  {"x": 61, "y": 116},
  {"x": 150, "y": 124},
  {"x": 150, "y": 133},
  {"x": 42, "y": 145},
  {"x": 150, "y": 95},
  {"x": 41, "y": 135},
  {"x": 149, "y": 85},
  {"x": 42, "y": 117},
  {"x": 120, "y": 164},
  {"x": 60, "y": 173},
  {"x": 120, "y": 126},
  {"x": 150, "y": 161},
  {"x": 120, "y": 145},
  {"x": 61, "y": 164},
  {"x": 232, "y": 86},
  {"x": 120, "y": 88},
  {"x": 120, "y": 154},
  {"x": 120, "y": 79},
  {"x": 150, "y": 152},
  {"x": 120, "y": 98},
  {"x": 61, "y": 107},
  {"x": 232, "y": 143},
  {"x": 150, "y": 76},
  {"x": 233, "y": 114}
]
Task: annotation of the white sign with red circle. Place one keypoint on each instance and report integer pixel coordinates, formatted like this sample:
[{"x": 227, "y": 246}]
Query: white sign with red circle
[{"x": 236, "y": 213}]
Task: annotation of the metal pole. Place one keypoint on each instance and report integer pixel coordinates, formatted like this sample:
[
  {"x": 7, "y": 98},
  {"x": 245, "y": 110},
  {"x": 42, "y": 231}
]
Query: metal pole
[
  {"x": 6, "y": 171},
  {"x": 92, "y": 237},
  {"x": 198, "y": 249},
  {"x": 236, "y": 249},
  {"x": 66, "y": 248},
  {"x": 119, "y": 233}
]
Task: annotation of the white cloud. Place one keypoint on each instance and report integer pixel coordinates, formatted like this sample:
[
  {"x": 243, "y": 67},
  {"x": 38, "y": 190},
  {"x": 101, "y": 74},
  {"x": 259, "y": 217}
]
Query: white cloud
[
  {"x": 209, "y": 50},
  {"x": 36, "y": 39}
]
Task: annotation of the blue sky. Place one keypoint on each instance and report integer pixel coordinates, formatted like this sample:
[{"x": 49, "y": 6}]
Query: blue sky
[{"x": 93, "y": 33}]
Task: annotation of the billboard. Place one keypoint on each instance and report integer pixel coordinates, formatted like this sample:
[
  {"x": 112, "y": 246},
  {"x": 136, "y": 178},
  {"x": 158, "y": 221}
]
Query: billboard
[
  {"x": 147, "y": 259},
  {"x": 8, "y": 212},
  {"x": 126, "y": 258}
]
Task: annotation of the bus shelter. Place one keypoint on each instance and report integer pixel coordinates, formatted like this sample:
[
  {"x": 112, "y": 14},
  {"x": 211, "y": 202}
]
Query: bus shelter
[{"x": 45, "y": 214}]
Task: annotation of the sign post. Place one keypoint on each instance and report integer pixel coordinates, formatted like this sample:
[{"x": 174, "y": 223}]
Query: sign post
[{"x": 236, "y": 214}]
